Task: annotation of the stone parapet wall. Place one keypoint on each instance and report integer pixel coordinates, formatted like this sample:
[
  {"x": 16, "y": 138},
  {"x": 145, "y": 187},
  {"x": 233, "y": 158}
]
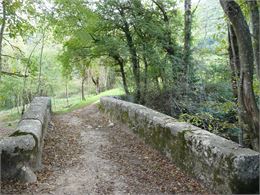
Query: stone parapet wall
[
  {"x": 224, "y": 166},
  {"x": 21, "y": 152}
]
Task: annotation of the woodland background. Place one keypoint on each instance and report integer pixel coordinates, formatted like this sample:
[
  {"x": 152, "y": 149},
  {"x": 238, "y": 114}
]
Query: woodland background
[{"x": 197, "y": 61}]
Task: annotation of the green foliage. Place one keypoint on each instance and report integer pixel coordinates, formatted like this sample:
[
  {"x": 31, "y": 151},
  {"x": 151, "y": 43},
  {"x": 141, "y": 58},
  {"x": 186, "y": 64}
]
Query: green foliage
[
  {"x": 16, "y": 23},
  {"x": 219, "y": 118},
  {"x": 88, "y": 40},
  {"x": 208, "y": 122},
  {"x": 10, "y": 89}
]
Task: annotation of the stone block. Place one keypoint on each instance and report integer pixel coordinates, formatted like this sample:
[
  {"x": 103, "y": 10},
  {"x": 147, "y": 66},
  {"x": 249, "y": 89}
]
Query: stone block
[
  {"x": 21, "y": 153},
  {"x": 27, "y": 175},
  {"x": 15, "y": 153},
  {"x": 221, "y": 164},
  {"x": 33, "y": 127}
]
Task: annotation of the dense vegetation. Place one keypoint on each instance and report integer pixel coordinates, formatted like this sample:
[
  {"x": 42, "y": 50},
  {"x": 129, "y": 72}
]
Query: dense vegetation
[{"x": 195, "y": 60}]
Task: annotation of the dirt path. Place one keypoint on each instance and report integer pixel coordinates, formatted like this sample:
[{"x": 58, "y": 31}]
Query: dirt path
[{"x": 85, "y": 153}]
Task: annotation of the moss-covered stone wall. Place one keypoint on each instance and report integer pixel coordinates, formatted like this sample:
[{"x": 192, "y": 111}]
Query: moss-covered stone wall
[
  {"x": 21, "y": 153},
  {"x": 221, "y": 164}
]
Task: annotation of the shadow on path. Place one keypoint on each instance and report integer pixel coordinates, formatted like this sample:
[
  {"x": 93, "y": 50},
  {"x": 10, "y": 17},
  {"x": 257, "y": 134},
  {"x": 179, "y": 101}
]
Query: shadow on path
[{"x": 85, "y": 153}]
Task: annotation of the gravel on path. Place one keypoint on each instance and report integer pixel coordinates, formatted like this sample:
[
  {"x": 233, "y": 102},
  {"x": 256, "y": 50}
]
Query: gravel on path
[{"x": 85, "y": 153}]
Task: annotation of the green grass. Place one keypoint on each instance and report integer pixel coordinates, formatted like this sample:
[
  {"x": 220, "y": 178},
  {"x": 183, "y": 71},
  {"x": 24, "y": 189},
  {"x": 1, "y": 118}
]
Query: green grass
[
  {"x": 60, "y": 105},
  {"x": 9, "y": 118}
]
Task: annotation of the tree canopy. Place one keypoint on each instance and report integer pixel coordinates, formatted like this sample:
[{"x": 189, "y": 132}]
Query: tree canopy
[{"x": 195, "y": 60}]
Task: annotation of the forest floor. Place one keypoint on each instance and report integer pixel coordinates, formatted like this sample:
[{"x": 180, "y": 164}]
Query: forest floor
[{"x": 85, "y": 153}]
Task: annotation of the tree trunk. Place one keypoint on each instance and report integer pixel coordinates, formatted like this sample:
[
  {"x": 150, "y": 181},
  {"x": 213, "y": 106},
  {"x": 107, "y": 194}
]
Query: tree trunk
[
  {"x": 120, "y": 61},
  {"x": 25, "y": 76},
  {"x": 246, "y": 98},
  {"x": 96, "y": 83},
  {"x": 82, "y": 89},
  {"x": 2, "y": 34},
  {"x": 67, "y": 94},
  {"x": 255, "y": 20},
  {"x": 235, "y": 73},
  {"x": 134, "y": 58},
  {"x": 156, "y": 79},
  {"x": 135, "y": 63},
  {"x": 17, "y": 103},
  {"x": 40, "y": 65},
  {"x": 167, "y": 40},
  {"x": 233, "y": 60},
  {"x": 143, "y": 101},
  {"x": 187, "y": 42}
]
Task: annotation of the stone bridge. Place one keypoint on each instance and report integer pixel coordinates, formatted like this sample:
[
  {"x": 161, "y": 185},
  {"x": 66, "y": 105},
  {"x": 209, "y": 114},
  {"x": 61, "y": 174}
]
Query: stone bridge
[{"x": 219, "y": 164}]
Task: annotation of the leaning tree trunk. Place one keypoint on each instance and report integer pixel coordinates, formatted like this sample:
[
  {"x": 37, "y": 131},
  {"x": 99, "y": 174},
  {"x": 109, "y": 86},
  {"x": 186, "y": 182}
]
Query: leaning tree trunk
[
  {"x": 233, "y": 60},
  {"x": 123, "y": 75},
  {"x": 246, "y": 97},
  {"x": 235, "y": 74},
  {"x": 96, "y": 83},
  {"x": 255, "y": 20},
  {"x": 120, "y": 62}
]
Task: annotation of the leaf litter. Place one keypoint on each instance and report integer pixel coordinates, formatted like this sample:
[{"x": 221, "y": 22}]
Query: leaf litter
[{"x": 85, "y": 153}]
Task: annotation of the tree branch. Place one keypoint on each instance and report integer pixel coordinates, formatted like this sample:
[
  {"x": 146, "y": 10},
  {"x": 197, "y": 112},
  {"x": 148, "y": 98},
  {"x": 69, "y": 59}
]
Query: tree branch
[
  {"x": 13, "y": 46},
  {"x": 165, "y": 16},
  {"x": 13, "y": 74},
  {"x": 8, "y": 56},
  {"x": 195, "y": 8}
]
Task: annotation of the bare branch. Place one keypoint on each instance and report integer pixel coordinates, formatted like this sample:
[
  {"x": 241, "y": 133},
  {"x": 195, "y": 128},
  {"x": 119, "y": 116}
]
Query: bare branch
[
  {"x": 195, "y": 8},
  {"x": 9, "y": 56},
  {"x": 13, "y": 46},
  {"x": 17, "y": 74}
]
